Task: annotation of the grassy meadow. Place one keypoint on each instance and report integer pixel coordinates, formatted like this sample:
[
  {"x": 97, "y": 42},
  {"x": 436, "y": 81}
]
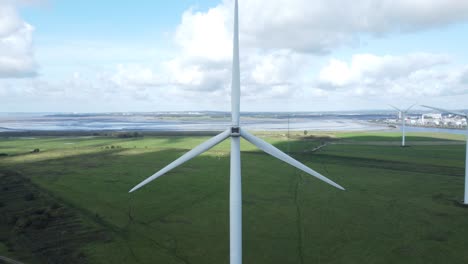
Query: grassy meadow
[{"x": 400, "y": 204}]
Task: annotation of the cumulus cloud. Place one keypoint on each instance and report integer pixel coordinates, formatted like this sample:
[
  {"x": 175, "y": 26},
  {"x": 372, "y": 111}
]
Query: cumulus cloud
[
  {"x": 281, "y": 74},
  {"x": 320, "y": 26},
  {"x": 408, "y": 75},
  {"x": 16, "y": 54},
  {"x": 278, "y": 43},
  {"x": 205, "y": 35},
  {"x": 310, "y": 26}
]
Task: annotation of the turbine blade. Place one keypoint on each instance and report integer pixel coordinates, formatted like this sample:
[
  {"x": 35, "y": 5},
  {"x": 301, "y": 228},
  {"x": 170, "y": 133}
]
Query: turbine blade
[
  {"x": 235, "y": 87},
  {"x": 445, "y": 111},
  {"x": 410, "y": 108},
  {"x": 395, "y": 108},
  {"x": 284, "y": 157},
  {"x": 187, "y": 156}
]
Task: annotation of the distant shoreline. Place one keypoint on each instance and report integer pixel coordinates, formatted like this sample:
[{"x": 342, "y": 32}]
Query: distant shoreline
[
  {"x": 200, "y": 123},
  {"x": 97, "y": 133},
  {"x": 167, "y": 133}
]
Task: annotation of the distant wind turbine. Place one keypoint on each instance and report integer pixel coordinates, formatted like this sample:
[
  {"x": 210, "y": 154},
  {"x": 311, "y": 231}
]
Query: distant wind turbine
[
  {"x": 465, "y": 198},
  {"x": 235, "y": 132},
  {"x": 403, "y": 117}
]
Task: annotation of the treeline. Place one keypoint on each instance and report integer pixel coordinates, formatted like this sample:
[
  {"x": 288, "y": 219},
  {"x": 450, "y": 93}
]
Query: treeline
[{"x": 129, "y": 135}]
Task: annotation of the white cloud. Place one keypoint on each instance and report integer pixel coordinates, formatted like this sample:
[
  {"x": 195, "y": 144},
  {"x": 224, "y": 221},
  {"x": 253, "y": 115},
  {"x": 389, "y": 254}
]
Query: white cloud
[
  {"x": 273, "y": 74},
  {"x": 419, "y": 74},
  {"x": 204, "y": 35},
  {"x": 320, "y": 26},
  {"x": 364, "y": 67},
  {"x": 16, "y": 54},
  {"x": 279, "y": 39},
  {"x": 309, "y": 26}
]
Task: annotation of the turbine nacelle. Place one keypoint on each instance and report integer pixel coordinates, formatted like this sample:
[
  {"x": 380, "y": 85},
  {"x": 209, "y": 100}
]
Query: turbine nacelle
[
  {"x": 401, "y": 110},
  {"x": 235, "y": 131}
]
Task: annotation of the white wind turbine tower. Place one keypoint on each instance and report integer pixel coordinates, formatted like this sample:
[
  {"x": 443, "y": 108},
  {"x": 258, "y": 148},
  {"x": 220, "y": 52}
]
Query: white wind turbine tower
[
  {"x": 235, "y": 132},
  {"x": 465, "y": 198},
  {"x": 403, "y": 117}
]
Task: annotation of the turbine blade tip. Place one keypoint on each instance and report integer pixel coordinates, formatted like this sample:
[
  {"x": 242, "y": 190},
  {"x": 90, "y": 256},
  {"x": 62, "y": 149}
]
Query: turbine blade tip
[{"x": 336, "y": 185}]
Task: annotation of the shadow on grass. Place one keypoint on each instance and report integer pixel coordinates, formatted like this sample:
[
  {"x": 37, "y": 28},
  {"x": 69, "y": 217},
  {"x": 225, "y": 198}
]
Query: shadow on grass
[
  {"x": 390, "y": 165},
  {"x": 183, "y": 217},
  {"x": 100, "y": 199},
  {"x": 99, "y": 193},
  {"x": 41, "y": 229}
]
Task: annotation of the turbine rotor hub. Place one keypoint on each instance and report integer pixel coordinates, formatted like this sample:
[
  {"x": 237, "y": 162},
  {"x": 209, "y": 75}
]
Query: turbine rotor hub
[{"x": 235, "y": 131}]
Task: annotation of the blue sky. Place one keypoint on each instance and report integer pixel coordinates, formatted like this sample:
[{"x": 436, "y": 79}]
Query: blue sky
[
  {"x": 102, "y": 56},
  {"x": 107, "y": 19}
]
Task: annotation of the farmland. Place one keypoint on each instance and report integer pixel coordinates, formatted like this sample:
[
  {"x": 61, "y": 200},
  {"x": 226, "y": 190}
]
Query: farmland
[{"x": 400, "y": 205}]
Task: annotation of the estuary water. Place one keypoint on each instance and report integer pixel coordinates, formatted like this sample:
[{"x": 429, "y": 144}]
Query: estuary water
[
  {"x": 182, "y": 122},
  {"x": 199, "y": 121},
  {"x": 436, "y": 130}
]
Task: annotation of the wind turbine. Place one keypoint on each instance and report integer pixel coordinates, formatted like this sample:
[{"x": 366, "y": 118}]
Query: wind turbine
[
  {"x": 403, "y": 117},
  {"x": 465, "y": 198},
  {"x": 235, "y": 132}
]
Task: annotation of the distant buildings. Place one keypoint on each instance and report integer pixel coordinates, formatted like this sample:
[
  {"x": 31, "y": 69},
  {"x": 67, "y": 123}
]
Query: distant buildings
[{"x": 431, "y": 120}]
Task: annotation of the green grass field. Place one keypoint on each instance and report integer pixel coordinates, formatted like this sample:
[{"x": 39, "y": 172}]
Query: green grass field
[{"x": 399, "y": 207}]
